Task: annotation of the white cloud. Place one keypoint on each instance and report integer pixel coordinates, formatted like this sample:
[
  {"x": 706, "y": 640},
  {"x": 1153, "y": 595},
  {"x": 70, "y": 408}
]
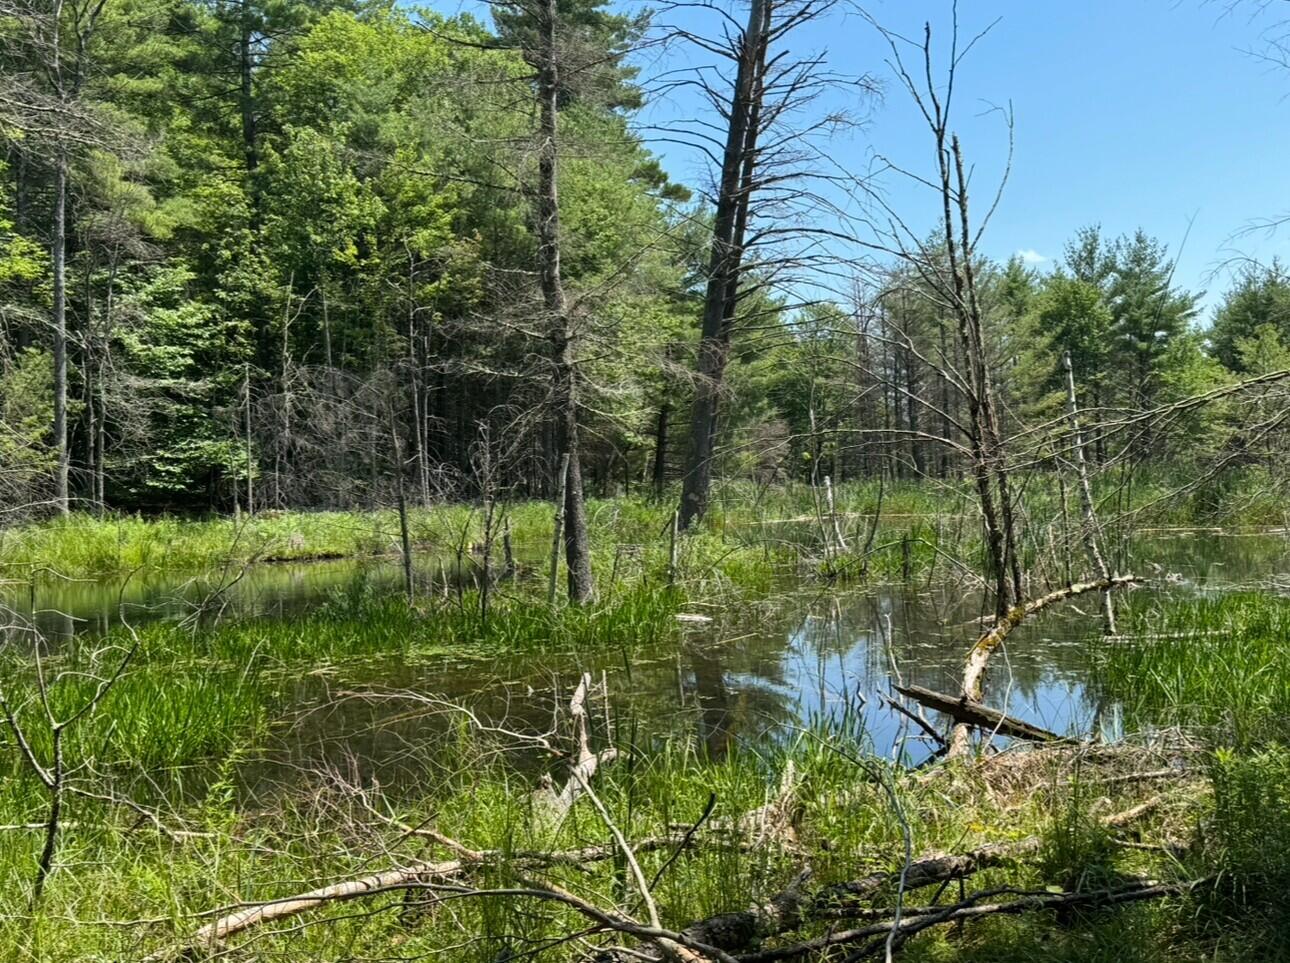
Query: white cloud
[{"x": 1029, "y": 255}]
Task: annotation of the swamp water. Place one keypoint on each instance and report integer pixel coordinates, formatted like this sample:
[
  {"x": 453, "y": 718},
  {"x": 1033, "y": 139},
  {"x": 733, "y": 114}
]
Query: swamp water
[{"x": 809, "y": 655}]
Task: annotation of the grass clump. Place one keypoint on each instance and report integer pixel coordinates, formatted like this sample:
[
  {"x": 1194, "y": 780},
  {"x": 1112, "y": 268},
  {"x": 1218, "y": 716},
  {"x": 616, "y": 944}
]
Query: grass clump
[
  {"x": 1219, "y": 664},
  {"x": 1245, "y": 843}
]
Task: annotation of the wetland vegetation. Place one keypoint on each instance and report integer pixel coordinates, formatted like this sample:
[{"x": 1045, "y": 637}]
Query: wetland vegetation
[{"x": 429, "y": 530}]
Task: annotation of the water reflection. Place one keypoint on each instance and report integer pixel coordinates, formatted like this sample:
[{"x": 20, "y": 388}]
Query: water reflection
[{"x": 819, "y": 658}]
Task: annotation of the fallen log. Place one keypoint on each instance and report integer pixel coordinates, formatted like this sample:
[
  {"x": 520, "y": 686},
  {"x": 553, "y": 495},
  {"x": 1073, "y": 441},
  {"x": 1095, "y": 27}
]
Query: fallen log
[
  {"x": 979, "y": 655},
  {"x": 794, "y": 905},
  {"x": 968, "y": 712},
  {"x": 742, "y": 930},
  {"x": 874, "y": 935}
]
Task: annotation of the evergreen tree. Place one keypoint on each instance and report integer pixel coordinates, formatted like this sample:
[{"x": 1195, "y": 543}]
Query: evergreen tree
[{"x": 1256, "y": 311}]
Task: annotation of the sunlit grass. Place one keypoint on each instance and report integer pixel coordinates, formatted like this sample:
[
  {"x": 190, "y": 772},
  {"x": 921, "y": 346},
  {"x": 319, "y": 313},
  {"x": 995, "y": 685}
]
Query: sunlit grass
[
  {"x": 781, "y": 518},
  {"x": 1221, "y": 665}
]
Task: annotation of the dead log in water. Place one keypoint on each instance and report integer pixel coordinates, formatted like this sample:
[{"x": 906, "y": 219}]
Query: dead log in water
[
  {"x": 968, "y": 712},
  {"x": 988, "y": 643}
]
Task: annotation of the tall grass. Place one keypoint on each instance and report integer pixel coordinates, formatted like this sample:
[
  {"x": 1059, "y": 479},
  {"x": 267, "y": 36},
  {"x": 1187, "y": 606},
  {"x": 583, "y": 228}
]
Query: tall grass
[
  {"x": 1221, "y": 665},
  {"x": 784, "y": 518}
]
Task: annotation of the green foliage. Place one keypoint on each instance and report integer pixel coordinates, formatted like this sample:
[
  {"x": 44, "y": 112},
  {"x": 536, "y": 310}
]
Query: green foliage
[
  {"x": 26, "y": 411},
  {"x": 22, "y": 261},
  {"x": 1252, "y": 326},
  {"x": 1216, "y": 664},
  {"x": 180, "y": 361},
  {"x": 595, "y": 42},
  {"x": 1077, "y": 851},
  {"x": 1075, "y": 317},
  {"x": 1246, "y": 842}
]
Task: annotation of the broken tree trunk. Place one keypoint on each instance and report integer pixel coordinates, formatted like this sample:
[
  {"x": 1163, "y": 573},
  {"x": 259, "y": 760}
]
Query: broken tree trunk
[
  {"x": 979, "y": 656},
  {"x": 555, "y": 805},
  {"x": 963, "y": 710}
]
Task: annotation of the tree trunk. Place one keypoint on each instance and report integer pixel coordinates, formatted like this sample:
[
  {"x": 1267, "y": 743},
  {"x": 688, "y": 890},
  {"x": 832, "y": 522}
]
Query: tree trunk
[
  {"x": 721, "y": 295},
  {"x": 989, "y": 468},
  {"x": 660, "y": 447},
  {"x": 246, "y": 426},
  {"x": 557, "y": 536},
  {"x": 59, "y": 258},
  {"x": 1089, "y": 528},
  {"x": 577, "y": 543},
  {"x": 405, "y": 535}
]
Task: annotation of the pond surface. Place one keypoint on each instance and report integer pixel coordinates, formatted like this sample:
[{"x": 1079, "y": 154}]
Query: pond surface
[{"x": 810, "y": 655}]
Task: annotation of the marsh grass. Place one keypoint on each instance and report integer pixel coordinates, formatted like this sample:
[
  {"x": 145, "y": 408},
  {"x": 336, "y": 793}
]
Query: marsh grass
[
  {"x": 781, "y": 520},
  {"x": 1245, "y": 841},
  {"x": 1218, "y": 664}
]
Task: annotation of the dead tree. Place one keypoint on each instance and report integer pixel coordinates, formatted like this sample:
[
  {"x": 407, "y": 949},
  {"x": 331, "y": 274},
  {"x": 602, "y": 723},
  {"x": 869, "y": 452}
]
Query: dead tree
[
  {"x": 1089, "y": 528},
  {"x": 738, "y": 164},
  {"x": 946, "y": 268},
  {"x": 766, "y": 202}
]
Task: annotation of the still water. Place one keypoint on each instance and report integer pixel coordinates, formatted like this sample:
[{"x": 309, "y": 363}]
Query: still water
[{"x": 811, "y": 654}]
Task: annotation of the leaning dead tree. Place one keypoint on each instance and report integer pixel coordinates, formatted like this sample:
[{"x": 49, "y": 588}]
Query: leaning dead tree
[
  {"x": 1088, "y": 509},
  {"x": 767, "y": 190}
]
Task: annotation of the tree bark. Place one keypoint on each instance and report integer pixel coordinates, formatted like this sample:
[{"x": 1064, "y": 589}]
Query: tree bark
[
  {"x": 577, "y": 542},
  {"x": 721, "y": 295},
  {"x": 660, "y": 447},
  {"x": 58, "y": 251},
  {"x": 557, "y": 536},
  {"x": 1089, "y": 529},
  {"x": 405, "y": 535}
]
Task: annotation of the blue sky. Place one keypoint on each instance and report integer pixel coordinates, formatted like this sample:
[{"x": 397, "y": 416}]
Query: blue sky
[{"x": 1128, "y": 113}]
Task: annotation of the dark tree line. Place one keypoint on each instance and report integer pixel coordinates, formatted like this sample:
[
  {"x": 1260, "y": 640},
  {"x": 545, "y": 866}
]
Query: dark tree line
[{"x": 300, "y": 255}]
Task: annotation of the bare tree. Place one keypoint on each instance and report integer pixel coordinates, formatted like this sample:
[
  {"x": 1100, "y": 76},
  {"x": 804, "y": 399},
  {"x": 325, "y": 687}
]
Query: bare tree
[
  {"x": 769, "y": 198},
  {"x": 947, "y": 270},
  {"x": 729, "y": 225},
  {"x": 53, "y": 771}
]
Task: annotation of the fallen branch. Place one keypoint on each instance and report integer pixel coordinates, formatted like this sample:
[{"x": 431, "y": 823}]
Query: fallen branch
[
  {"x": 211, "y": 936},
  {"x": 712, "y": 938},
  {"x": 556, "y": 804},
  {"x": 916, "y": 922},
  {"x": 966, "y": 712},
  {"x": 741, "y": 929},
  {"x": 915, "y": 717},
  {"x": 979, "y": 655}
]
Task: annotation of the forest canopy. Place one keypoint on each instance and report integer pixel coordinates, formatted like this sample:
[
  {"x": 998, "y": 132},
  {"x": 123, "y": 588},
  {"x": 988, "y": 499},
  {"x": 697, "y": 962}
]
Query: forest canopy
[{"x": 285, "y": 227}]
